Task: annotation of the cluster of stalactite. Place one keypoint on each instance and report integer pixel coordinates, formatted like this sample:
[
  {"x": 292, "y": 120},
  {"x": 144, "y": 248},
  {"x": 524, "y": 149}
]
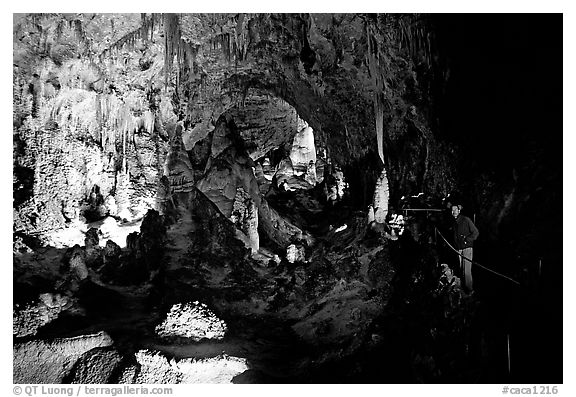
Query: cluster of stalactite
[
  {"x": 80, "y": 34},
  {"x": 172, "y": 37},
  {"x": 233, "y": 44},
  {"x": 180, "y": 48},
  {"x": 51, "y": 27},
  {"x": 180, "y": 52},
  {"x": 183, "y": 73},
  {"x": 144, "y": 32},
  {"x": 105, "y": 117},
  {"x": 240, "y": 42},
  {"x": 416, "y": 37},
  {"x": 223, "y": 41}
]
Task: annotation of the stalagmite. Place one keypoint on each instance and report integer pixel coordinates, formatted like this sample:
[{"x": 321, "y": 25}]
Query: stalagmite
[
  {"x": 303, "y": 151},
  {"x": 381, "y": 195},
  {"x": 122, "y": 194},
  {"x": 371, "y": 216}
]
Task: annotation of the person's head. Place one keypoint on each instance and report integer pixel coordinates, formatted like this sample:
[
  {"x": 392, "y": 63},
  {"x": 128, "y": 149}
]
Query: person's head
[{"x": 456, "y": 209}]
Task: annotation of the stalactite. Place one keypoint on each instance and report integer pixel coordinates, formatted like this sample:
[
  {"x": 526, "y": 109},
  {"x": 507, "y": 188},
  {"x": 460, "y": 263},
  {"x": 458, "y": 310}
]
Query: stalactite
[
  {"x": 148, "y": 121},
  {"x": 124, "y": 151},
  {"x": 171, "y": 42},
  {"x": 80, "y": 34},
  {"x": 239, "y": 38},
  {"x": 379, "y": 112},
  {"x": 415, "y": 37},
  {"x": 379, "y": 85},
  {"x": 224, "y": 41},
  {"x": 105, "y": 117},
  {"x": 144, "y": 32},
  {"x": 426, "y": 161},
  {"x": 230, "y": 43},
  {"x": 99, "y": 116},
  {"x": 59, "y": 29},
  {"x": 186, "y": 57}
]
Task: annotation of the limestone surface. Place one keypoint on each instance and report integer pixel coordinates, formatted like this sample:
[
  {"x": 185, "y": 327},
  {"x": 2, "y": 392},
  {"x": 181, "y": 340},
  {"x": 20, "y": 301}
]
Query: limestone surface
[
  {"x": 192, "y": 320},
  {"x": 96, "y": 366},
  {"x": 28, "y": 319},
  {"x": 155, "y": 368},
  {"x": 51, "y": 361}
]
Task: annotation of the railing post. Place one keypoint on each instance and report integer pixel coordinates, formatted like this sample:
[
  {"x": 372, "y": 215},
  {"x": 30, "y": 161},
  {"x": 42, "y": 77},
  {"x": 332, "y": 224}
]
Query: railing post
[
  {"x": 539, "y": 268},
  {"x": 508, "y": 351}
]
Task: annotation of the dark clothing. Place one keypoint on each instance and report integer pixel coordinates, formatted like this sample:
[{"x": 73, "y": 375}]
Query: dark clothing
[{"x": 464, "y": 232}]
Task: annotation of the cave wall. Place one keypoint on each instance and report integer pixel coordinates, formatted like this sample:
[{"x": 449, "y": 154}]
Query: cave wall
[
  {"x": 318, "y": 64},
  {"x": 507, "y": 129},
  {"x": 89, "y": 138},
  {"x": 105, "y": 93}
]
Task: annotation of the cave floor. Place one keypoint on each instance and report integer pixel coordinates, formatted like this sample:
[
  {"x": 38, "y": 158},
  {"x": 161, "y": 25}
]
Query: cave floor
[
  {"x": 273, "y": 352},
  {"x": 296, "y": 337},
  {"x": 267, "y": 334}
]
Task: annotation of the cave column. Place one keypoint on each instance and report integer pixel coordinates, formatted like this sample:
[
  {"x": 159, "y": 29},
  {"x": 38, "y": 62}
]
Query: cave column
[
  {"x": 245, "y": 217},
  {"x": 251, "y": 225}
]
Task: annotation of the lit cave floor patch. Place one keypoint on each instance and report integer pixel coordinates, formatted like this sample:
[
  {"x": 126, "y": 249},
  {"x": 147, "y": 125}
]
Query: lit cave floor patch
[{"x": 109, "y": 229}]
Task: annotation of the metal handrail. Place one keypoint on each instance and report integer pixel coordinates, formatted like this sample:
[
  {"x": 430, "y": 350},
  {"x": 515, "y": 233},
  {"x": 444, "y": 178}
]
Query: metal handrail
[
  {"x": 422, "y": 209},
  {"x": 474, "y": 262}
]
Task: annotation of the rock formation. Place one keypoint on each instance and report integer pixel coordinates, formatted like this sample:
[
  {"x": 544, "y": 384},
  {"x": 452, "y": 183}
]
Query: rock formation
[
  {"x": 154, "y": 368},
  {"x": 51, "y": 362},
  {"x": 191, "y": 320},
  {"x": 256, "y": 163},
  {"x": 28, "y": 319},
  {"x": 96, "y": 366}
]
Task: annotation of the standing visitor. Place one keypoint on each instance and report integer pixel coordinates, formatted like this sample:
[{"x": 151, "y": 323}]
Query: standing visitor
[{"x": 465, "y": 232}]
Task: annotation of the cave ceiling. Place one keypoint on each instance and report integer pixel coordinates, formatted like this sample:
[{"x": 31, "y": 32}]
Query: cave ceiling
[{"x": 318, "y": 63}]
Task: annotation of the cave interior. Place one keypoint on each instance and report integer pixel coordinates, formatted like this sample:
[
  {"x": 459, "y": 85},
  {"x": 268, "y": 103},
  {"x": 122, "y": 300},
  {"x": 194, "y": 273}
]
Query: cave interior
[{"x": 266, "y": 198}]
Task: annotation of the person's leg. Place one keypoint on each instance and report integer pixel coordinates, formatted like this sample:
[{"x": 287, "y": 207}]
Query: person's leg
[
  {"x": 461, "y": 264},
  {"x": 467, "y": 252}
]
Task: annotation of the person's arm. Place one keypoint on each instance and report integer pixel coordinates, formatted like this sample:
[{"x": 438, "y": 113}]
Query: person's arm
[{"x": 473, "y": 231}]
